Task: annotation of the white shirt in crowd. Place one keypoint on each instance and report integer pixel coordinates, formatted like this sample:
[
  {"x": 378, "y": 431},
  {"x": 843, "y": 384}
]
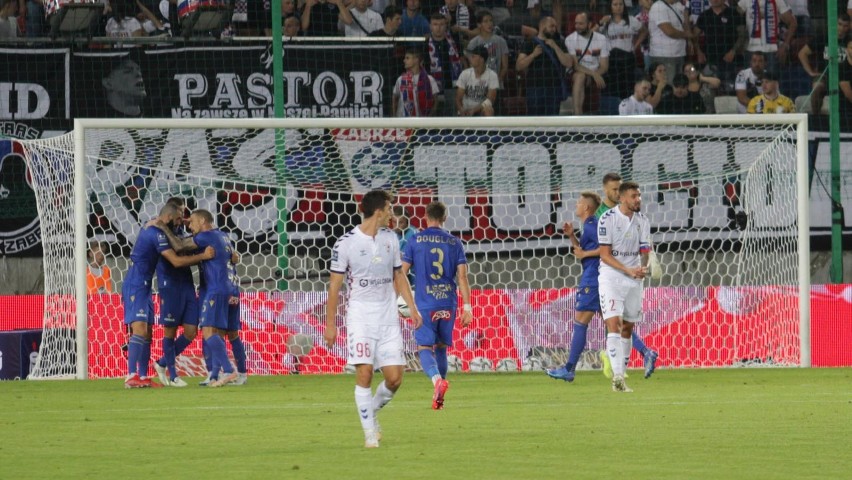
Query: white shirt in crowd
[
  {"x": 662, "y": 45},
  {"x": 760, "y": 44},
  {"x": 496, "y": 46},
  {"x": 800, "y": 7},
  {"x": 370, "y": 20},
  {"x": 400, "y": 108},
  {"x": 631, "y": 106},
  {"x": 598, "y": 48},
  {"x": 476, "y": 88},
  {"x": 369, "y": 265},
  {"x": 621, "y": 35},
  {"x": 122, "y": 29},
  {"x": 626, "y": 235},
  {"x": 745, "y": 79}
]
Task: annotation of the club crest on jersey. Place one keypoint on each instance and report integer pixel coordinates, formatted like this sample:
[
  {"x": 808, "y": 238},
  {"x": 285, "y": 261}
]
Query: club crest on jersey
[
  {"x": 212, "y": 302},
  {"x": 133, "y": 298},
  {"x": 441, "y": 315}
]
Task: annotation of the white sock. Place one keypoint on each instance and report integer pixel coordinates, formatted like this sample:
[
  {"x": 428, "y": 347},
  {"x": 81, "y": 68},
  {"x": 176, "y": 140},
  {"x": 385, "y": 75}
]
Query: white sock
[
  {"x": 382, "y": 397},
  {"x": 627, "y": 345},
  {"x": 364, "y": 402},
  {"x": 616, "y": 353},
  {"x": 435, "y": 379}
]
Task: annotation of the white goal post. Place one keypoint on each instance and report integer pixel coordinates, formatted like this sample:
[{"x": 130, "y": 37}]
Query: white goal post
[{"x": 759, "y": 262}]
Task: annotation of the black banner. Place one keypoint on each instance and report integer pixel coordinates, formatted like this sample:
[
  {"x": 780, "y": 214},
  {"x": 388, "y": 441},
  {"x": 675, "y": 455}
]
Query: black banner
[{"x": 34, "y": 84}]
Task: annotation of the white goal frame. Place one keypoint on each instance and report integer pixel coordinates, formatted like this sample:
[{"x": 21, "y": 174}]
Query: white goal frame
[{"x": 80, "y": 181}]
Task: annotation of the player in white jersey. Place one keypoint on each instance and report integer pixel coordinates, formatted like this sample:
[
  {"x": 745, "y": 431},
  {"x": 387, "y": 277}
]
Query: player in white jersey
[
  {"x": 624, "y": 234},
  {"x": 368, "y": 257}
]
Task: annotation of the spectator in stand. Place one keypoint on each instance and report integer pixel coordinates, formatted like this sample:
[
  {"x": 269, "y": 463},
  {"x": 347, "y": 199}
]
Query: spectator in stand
[
  {"x": 763, "y": 26},
  {"x": 414, "y": 24},
  {"x": 644, "y": 17},
  {"x": 846, "y": 87},
  {"x": 477, "y": 87},
  {"x": 849, "y": 8},
  {"x": 498, "y": 49},
  {"x": 671, "y": 34},
  {"x": 445, "y": 62},
  {"x": 544, "y": 63},
  {"x": 818, "y": 49},
  {"x": 589, "y": 53},
  {"x": 499, "y": 8},
  {"x": 361, "y": 21},
  {"x": 637, "y": 103},
  {"x": 724, "y": 34},
  {"x": 288, "y": 9},
  {"x": 458, "y": 21},
  {"x": 122, "y": 22},
  {"x": 292, "y": 27},
  {"x": 148, "y": 14},
  {"x": 416, "y": 93},
  {"x": 393, "y": 20},
  {"x": 320, "y": 17},
  {"x": 35, "y": 24},
  {"x": 625, "y": 35},
  {"x": 8, "y": 21},
  {"x": 705, "y": 86},
  {"x": 379, "y": 6},
  {"x": 770, "y": 101},
  {"x": 748, "y": 83},
  {"x": 660, "y": 87},
  {"x": 681, "y": 101},
  {"x": 525, "y": 24}
]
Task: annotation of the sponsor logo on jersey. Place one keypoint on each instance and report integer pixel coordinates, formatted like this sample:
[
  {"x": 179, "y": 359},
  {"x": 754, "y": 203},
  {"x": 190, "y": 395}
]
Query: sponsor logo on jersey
[
  {"x": 602, "y": 231},
  {"x": 441, "y": 315}
]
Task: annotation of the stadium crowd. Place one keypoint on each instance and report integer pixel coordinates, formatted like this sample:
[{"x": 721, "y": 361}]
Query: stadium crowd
[{"x": 549, "y": 57}]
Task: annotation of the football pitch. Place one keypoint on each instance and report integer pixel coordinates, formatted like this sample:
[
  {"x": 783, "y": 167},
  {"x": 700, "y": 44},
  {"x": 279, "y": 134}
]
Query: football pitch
[{"x": 680, "y": 424}]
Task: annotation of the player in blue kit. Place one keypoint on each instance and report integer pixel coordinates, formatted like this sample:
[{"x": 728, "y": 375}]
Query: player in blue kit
[
  {"x": 178, "y": 303},
  {"x": 216, "y": 292},
  {"x": 439, "y": 263},
  {"x": 587, "y": 251},
  {"x": 136, "y": 292}
]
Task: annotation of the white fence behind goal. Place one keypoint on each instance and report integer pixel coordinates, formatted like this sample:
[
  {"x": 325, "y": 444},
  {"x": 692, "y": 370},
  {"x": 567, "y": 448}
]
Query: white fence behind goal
[{"x": 726, "y": 196}]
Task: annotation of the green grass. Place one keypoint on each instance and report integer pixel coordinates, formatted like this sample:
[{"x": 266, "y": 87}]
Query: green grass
[{"x": 681, "y": 424}]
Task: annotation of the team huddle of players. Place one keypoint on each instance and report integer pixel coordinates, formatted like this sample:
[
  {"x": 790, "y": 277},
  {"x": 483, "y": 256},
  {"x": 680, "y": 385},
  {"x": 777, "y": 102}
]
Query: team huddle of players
[
  {"x": 166, "y": 247},
  {"x": 614, "y": 251}
]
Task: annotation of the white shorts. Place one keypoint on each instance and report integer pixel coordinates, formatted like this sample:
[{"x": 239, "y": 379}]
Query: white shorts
[
  {"x": 376, "y": 345},
  {"x": 621, "y": 297}
]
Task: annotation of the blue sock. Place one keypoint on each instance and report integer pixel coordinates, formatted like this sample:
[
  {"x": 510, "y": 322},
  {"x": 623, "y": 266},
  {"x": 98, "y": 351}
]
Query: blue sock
[
  {"x": 239, "y": 354},
  {"x": 441, "y": 360},
  {"x": 134, "y": 351},
  {"x": 219, "y": 351},
  {"x": 169, "y": 356},
  {"x": 181, "y": 343},
  {"x": 208, "y": 358},
  {"x": 638, "y": 344},
  {"x": 144, "y": 358},
  {"x": 578, "y": 344},
  {"x": 427, "y": 361}
]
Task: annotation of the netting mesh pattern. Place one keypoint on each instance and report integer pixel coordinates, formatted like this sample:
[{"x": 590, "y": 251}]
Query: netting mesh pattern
[{"x": 722, "y": 204}]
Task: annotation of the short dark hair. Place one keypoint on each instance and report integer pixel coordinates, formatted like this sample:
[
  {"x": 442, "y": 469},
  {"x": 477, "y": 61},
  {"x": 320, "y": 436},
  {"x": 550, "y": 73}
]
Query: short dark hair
[
  {"x": 843, "y": 16},
  {"x": 436, "y": 211},
  {"x": 205, "y": 215},
  {"x": 176, "y": 201},
  {"x": 414, "y": 51},
  {"x": 680, "y": 80},
  {"x": 374, "y": 200},
  {"x": 437, "y": 16},
  {"x": 481, "y": 14},
  {"x": 390, "y": 12},
  {"x": 611, "y": 177},
  {"x": 628, "y": 185}
]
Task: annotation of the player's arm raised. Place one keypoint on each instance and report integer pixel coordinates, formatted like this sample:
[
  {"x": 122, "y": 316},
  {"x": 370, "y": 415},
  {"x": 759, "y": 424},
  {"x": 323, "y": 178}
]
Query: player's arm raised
[
  {"x": 335, "y": 283},
  {"x": 403, "y": 288},
  {"x": 464, "y": 289}
]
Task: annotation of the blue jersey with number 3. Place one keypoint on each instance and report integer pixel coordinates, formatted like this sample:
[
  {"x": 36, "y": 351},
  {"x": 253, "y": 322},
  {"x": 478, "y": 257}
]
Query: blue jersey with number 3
[
  {"x": 434, "y": 256},
  {"x": 214, "y": 272}
]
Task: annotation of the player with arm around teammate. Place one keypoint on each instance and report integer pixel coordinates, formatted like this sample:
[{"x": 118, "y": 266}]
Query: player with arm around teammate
[
  {"x": 624, "y": 235},
  {"x": 440, "y": 269},
  {"x": 611, "y": 184},
  {"x": 368, "y": 257},
  {"x": 136, "y": 292},
  {"x": 587, "y": 302}
]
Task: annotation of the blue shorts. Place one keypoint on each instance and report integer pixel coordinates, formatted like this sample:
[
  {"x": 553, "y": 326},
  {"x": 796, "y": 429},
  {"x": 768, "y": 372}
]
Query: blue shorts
[
  {"x": 587, "y": 299},
  {"x": 234, "y": 324},
  {"x": 437, "y": 326},
  {"x": 138, "y": 305},
  {"x": 214, "y": 311},
  {"x": 178, "y": 306}
]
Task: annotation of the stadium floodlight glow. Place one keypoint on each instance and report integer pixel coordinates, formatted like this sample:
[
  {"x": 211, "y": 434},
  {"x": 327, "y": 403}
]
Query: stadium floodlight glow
[{"x": 726, "y": 195}]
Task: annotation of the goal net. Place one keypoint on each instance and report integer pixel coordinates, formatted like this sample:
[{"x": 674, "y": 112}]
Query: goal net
[{"x": 725, "y": 196}]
